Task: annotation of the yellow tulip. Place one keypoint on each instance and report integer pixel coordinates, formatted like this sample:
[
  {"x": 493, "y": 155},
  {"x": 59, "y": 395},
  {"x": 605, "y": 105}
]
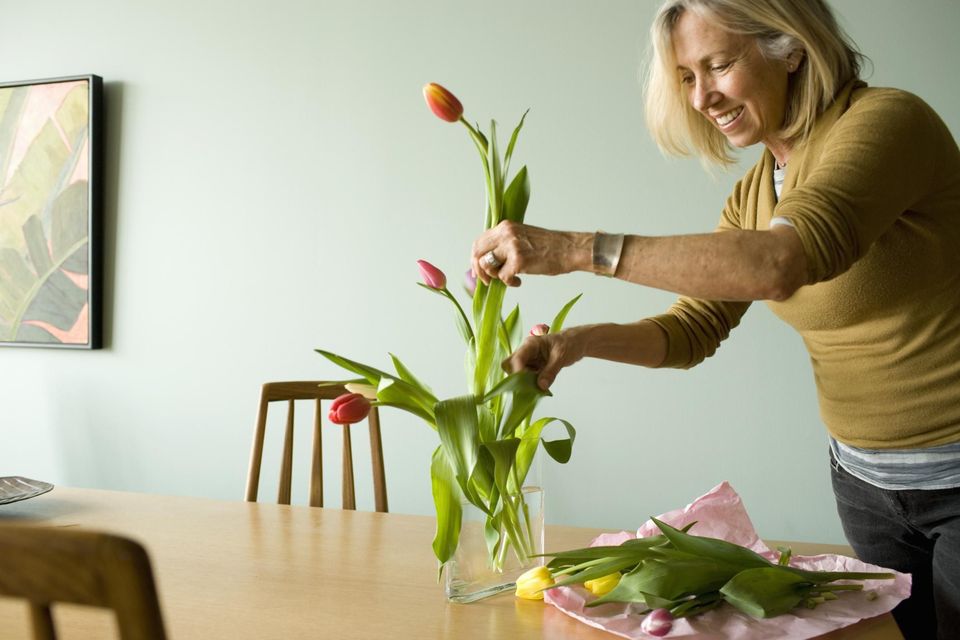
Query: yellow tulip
[
  {"x": 531, "y": 583},
  {"x": 603, "y": 585}
]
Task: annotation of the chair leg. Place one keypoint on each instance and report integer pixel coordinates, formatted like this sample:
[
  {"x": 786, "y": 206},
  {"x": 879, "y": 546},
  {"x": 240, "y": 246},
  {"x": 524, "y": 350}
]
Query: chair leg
[
  {"x": 42, "y": 622},
  {"x": 376, "y": 460},
  {"x": 316, "y": 465},
  {"x": 286, "y": 469},
  {"x": 349, "y": 495},
  {"x": 256, "y": 452}
]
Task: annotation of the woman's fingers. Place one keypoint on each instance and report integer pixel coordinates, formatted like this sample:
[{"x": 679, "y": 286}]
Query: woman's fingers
[
  {"x": 501, "y": 253},
  {"x": 546, "y": 355}
]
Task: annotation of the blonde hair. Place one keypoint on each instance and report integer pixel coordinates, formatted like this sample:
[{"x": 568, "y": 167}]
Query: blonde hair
[{"x": 780, "y": 28}]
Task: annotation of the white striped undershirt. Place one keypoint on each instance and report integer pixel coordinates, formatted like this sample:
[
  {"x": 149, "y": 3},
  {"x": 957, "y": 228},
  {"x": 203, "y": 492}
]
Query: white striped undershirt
[{"x": 927, "y": 468}]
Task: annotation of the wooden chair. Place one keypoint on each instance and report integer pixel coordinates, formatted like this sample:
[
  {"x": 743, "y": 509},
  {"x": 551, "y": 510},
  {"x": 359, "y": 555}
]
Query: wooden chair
[
  {"x": 312, "y": 390},
  {"x": 45, "y": 565}
]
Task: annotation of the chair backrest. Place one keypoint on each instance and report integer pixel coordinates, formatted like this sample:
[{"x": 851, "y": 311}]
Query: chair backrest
[
  {"x": 318, "y": 392},
  {"x": 45, "y": 565}
]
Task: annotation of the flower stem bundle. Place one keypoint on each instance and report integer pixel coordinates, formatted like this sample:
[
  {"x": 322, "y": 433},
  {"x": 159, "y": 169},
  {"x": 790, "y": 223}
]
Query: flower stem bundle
[
  {"x": 686, "y": 575},
  {"x": 488, "y": 438}
]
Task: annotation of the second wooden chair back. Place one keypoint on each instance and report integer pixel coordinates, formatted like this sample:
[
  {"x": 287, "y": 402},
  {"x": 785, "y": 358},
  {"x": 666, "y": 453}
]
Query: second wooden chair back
[
  {"x": 44, "y": 565},
  {"x": 318, "y": 392}
]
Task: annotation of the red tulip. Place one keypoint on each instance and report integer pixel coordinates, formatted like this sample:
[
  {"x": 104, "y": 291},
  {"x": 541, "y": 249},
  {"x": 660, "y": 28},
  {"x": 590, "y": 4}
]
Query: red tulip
[
  {"x": 443, "y": 103},
  {"x": 349, "y": 408},
  {"x": 432, "y": 277},
  {"x": 540, "y": 329}
]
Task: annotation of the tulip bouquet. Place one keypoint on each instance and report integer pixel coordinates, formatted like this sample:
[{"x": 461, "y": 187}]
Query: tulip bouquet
[
  {"x": 488, "y": 438},
  {"x": 677, "y": 574}
]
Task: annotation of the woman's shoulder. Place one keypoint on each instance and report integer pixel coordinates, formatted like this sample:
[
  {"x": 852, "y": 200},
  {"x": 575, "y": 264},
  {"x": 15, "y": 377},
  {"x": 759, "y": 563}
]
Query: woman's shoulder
[{"x": 887, "y": 102}]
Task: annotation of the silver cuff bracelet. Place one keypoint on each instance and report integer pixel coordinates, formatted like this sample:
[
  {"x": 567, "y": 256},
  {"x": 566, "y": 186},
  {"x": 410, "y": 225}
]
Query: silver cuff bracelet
[{"x": 606, "y": 252}]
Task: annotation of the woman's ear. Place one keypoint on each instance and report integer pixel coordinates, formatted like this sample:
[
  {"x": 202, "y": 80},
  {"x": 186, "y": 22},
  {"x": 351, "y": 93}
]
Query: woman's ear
[{"x": 794, "y": 59}]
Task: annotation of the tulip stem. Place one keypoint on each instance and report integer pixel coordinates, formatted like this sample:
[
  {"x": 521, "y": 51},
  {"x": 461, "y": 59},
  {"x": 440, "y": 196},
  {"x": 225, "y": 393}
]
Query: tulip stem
[{"x": 466, "y": 322}]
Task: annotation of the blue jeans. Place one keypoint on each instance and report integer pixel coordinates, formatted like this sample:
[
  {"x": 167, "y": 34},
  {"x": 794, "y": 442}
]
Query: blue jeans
[{"x": 912, "y": 531}]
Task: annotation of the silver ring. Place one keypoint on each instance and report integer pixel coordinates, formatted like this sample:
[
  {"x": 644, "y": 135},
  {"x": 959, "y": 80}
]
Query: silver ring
[{"x": 491, "y": 260}]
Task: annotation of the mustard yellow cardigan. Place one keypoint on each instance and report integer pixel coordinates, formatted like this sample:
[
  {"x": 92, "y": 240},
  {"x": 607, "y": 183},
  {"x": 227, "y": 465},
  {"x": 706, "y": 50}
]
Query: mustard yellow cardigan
[{"x": 874, "y": 194}]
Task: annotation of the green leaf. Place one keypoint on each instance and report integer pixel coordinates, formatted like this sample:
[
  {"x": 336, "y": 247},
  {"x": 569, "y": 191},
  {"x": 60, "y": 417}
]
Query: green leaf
[
  {"x": 523, "y": 399},
  {"x": 503, "y": 452},
  {"x": 511, "y": 327},
  {"x": 766, "y": 591},
  {"x": 713, "y": 548},
  {"x": 446, "y": 501},
  {"x": 493, "y": 160},
  {"x": 558, "y": 320},
  {"x": 458, "y": 429},
  {"x": 636, "y": 550},
  {"x": 511, "y": 383},
  {"x": 675, "y": 577},
  {"x": 517, "y": 197},
  {"x": 629, "y": 590},
  {"x": 513, "y": 142},
  {"x": 397, "y": 393},
  {"x": 605, "y": 567},
  {"x": 407, "y": 376},
  {"x": 370, "y": 374},
  {"x": 561, "y": 449},
  {"x": 341, "y": 383},
  {"x": 487, "y": 334}
]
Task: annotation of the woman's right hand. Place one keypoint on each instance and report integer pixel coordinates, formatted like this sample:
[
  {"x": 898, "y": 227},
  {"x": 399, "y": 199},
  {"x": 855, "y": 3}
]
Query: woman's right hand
[
  {"x": 546, "y": 355},
  {"x": 641, "y": 343}
]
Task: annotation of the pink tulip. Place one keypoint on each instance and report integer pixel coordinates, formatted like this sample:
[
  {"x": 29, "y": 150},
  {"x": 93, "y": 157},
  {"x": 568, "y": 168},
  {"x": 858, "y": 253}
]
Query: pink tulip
[
  {"x": 443, "y": 103},
  {"x": 432, "y": 277},
  {"x": 658, "y": 623},
  {"x": 349, "y": 408},
  {"x": 540, "y": 329},
  {"x": 470, "y": 282}
]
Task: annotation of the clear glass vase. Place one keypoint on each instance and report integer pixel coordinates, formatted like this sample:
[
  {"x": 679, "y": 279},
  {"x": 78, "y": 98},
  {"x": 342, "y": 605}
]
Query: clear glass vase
[{"x": 483, "y": 567}]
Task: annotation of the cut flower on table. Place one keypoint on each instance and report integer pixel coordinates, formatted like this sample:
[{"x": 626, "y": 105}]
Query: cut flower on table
[{"x": 720, "y": 583}]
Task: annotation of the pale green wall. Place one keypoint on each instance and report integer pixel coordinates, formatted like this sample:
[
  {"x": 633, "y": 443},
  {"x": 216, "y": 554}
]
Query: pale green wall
[{"x": 272, "y": 177}]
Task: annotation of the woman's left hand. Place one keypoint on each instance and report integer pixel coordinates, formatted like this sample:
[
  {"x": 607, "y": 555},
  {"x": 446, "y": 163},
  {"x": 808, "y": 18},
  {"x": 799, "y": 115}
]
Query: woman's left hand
[{"x": 512, "y": 248}]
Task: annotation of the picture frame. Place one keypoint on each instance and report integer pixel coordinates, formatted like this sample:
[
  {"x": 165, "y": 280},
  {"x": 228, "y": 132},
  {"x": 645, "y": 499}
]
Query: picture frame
[{"x": 51, "y": 212}]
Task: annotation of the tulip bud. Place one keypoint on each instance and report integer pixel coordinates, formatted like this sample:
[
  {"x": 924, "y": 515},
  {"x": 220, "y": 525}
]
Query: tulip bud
[
  {"x": 432, "y": 277},
  {"x": 349, "y": 408},
  {"x": 531, "y": 583},
  {"x": 657, "y": 623},
  {"x": 443, "y": 103},
  {"x": 540, "y": 329},
  {"x": 604, "y": 585},
  {"x": 470, "y": 282}
]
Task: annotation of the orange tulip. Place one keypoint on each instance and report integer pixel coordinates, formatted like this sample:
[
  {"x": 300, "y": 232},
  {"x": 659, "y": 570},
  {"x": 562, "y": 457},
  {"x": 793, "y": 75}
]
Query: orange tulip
[{"x": 443, "y": 103}]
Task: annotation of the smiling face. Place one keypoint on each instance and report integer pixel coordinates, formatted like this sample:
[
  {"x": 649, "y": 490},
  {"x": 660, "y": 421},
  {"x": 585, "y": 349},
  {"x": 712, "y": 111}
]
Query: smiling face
[{"x": 727, "y": 79}]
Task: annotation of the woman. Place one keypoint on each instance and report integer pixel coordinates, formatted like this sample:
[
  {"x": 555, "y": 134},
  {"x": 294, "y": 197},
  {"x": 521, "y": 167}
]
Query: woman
[{"x": 848, "y": 227}]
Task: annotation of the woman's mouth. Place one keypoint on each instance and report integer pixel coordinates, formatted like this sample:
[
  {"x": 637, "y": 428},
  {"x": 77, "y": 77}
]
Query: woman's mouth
[{"x": 725, "y": 119}]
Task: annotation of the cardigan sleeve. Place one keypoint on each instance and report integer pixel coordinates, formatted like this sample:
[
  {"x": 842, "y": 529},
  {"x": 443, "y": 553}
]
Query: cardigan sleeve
[
  {"x": 875, "y": 162},
  {"x": 695, "y": 328}
]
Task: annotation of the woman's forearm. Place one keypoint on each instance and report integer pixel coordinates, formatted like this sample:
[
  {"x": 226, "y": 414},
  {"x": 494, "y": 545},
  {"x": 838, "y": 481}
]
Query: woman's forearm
[
  {"x": 641, "y": 343},
  {"x": 726, "y": 265}
]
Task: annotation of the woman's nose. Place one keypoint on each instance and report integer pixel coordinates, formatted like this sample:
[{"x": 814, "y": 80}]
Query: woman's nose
[{"x": 704, "y": 95}]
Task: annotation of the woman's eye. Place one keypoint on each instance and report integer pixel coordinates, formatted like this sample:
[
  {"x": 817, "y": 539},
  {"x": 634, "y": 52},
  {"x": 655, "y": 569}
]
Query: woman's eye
[
  {"x": 720, "y": 67},
  {"x": 686, "y": 79}
]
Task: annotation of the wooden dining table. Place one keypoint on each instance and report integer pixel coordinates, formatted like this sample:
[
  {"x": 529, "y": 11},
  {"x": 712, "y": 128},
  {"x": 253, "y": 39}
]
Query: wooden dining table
[{"x": 232, "y": 570}]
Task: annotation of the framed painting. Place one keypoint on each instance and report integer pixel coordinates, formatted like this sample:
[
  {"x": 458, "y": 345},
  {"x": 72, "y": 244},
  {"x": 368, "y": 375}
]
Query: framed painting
[{"x": 51, "y": 165}]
